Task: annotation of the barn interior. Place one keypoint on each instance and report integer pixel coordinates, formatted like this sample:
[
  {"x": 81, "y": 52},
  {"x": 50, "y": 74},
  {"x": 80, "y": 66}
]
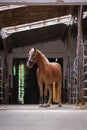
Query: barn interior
[{"x": 59, "y": 31}]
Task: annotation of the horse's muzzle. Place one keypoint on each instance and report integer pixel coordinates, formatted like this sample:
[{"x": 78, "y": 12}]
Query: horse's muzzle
[{"x": 30, "y": 63}]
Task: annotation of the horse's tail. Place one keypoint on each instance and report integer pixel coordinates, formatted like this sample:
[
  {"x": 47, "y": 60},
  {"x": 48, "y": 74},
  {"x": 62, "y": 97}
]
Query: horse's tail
[{"x": 55, "y": 92}]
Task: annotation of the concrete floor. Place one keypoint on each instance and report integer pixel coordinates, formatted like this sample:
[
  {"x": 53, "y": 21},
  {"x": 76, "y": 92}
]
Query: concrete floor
[{"x": 31, "y": 117}]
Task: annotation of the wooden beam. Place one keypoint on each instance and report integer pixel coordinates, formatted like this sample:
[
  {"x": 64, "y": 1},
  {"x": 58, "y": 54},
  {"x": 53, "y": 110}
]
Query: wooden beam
[
  {"x": 78, "y": 52},
  {"x": 79, "y": 36},
  {"x": 69, "y": 50}
]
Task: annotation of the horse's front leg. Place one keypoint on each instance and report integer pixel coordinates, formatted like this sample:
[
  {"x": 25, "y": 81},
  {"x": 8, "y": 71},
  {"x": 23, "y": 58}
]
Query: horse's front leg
[{"x": 41, "y": 94}]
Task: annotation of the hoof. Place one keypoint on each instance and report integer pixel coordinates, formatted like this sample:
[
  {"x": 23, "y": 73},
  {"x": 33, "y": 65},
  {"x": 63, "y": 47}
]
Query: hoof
[
  {"x": 40, "y": 105},
  {"x": 48, "y": 105},
  {"x": 44, "y": 105},
  {"x": 60, "y": 105}
]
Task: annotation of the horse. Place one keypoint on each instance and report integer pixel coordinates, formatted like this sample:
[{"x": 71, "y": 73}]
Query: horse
[{"x": 47, "y": 74}]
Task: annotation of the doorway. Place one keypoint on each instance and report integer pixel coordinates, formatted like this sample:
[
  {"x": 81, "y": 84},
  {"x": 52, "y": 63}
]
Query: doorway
[{"x": 25, "y": 87}]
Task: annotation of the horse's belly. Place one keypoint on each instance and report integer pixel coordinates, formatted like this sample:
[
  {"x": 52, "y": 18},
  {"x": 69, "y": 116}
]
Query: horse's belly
[{"x": 54, "y": 77}]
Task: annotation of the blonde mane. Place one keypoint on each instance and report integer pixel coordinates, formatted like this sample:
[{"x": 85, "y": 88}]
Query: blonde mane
[{"x": 43, "y": 56}]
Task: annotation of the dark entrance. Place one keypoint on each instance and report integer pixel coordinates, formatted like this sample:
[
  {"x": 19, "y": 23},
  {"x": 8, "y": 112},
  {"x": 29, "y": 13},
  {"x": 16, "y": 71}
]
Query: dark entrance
[{"x": 25, "y": 87}]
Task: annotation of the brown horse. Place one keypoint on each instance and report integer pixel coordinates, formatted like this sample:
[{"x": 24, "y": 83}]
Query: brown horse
[{"x": 47, "y": 74}]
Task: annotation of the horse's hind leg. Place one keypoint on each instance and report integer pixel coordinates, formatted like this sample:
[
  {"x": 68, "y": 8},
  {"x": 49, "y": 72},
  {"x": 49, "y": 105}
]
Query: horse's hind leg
[{"x": 45, "y": 96}]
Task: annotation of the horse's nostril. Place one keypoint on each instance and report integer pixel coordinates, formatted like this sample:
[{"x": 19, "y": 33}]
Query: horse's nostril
[{"x": 30, "y": 62}]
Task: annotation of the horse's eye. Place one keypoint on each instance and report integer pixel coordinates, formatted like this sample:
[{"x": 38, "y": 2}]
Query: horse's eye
[{"x": 34, "y": 55}]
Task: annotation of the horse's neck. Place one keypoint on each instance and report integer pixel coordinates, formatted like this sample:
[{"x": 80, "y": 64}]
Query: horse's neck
[{"x": 42, "y": 62}]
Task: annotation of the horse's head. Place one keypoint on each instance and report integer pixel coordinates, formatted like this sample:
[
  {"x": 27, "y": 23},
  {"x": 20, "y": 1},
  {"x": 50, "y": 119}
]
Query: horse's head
[{"x": 32, "y": 55}]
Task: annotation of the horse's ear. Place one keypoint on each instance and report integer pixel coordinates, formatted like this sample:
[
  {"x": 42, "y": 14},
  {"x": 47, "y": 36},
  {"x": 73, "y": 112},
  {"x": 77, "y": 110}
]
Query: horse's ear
[
  {"x": 35, "y": 49},
  {"x": 29, "y": 49}
]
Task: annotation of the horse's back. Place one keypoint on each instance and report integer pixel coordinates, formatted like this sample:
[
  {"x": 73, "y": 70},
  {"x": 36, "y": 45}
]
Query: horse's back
[
  {"x": 55, "y": 72},
  {"x": 56, "y": 67}
]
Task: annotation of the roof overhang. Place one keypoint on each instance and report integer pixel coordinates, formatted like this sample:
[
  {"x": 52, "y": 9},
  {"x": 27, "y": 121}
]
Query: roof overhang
[
  {"x": 41, "y": 2},
  {"x": 31, "y": 14}
]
